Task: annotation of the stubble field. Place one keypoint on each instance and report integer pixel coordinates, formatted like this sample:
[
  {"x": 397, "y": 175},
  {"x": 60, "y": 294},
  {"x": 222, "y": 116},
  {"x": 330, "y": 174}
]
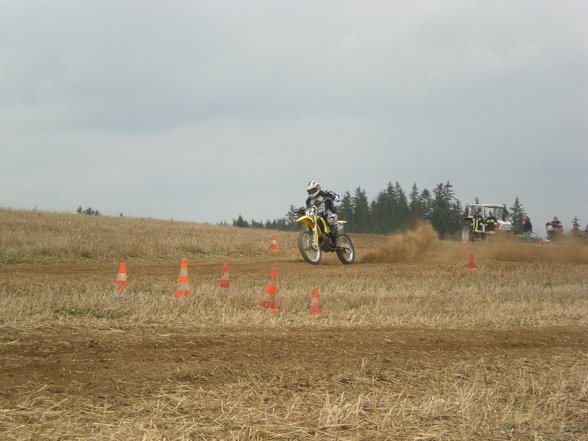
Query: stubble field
[{"x": 411, "y": 343}]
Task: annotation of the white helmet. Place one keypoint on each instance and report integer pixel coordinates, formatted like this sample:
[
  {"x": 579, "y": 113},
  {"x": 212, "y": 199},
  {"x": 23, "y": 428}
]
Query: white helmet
[{"x": 313, "y": 188}]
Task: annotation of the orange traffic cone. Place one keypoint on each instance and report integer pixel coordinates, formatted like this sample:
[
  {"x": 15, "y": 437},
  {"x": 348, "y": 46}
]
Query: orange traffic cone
[
  {"x": 315, "y": 305},
  {"x": 269, "y": 300},
  {"x": 121, "y": 278},
  {"x": 274, "y": 244},
  {"x": 471, "y": 264},
  {"x": 183, "y": 286},
  {"x": 224, "y": 281},
  {"x": 464, "y": 243}
]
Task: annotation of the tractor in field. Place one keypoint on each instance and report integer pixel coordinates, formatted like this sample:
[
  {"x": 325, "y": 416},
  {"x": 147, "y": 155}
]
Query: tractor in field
[{"x": 485, "y": 220}]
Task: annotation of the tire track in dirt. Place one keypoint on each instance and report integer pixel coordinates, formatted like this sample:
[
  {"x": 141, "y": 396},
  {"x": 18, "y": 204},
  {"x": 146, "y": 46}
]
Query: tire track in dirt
[{"x": 99, "y": 360}]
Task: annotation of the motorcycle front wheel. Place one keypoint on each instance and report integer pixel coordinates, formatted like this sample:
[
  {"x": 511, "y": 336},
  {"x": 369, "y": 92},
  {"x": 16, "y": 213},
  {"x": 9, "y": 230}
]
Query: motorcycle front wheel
[
  {"x": 346, "y": 252},
  {"x": 306, "y": 247}
]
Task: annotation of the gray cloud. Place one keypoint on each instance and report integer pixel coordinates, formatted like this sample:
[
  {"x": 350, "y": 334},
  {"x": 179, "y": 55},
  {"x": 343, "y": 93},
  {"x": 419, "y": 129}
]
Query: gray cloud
[{"x": 206, "y": 110}]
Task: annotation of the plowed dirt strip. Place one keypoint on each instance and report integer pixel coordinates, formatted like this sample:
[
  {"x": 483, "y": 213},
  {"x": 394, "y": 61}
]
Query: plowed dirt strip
[{"x": 95, "y": 362}]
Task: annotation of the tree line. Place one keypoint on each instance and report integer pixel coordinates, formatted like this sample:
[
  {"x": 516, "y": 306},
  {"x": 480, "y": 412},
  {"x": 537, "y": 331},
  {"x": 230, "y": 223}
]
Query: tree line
[{"x": 393, "y": 210}]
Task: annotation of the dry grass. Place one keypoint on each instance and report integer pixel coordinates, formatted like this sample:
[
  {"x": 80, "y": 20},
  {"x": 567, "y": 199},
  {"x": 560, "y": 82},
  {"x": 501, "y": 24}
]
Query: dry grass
[
  {"x": 34, "y": 237},
  {"x": 468, "y": 410},
  {"x": 406, "y": 296}
]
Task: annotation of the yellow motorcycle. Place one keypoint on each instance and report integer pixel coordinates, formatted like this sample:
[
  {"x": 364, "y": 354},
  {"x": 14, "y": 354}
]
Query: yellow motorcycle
[{"x": 317, "y": 238}]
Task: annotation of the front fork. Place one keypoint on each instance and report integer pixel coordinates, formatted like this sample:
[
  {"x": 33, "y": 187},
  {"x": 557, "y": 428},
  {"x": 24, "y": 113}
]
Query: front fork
[{"x": 315, "y": 237}]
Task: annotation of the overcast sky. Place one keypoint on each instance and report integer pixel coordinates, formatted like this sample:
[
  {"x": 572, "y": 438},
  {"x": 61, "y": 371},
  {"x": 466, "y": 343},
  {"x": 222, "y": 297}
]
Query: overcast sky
[{"x": 206, "y": 110}]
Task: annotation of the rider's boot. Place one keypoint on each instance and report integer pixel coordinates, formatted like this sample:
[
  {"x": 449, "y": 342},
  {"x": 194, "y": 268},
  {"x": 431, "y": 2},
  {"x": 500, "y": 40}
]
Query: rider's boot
[
  {"x": 335, "y": 228},
  {"x": 337, "y": 236}
]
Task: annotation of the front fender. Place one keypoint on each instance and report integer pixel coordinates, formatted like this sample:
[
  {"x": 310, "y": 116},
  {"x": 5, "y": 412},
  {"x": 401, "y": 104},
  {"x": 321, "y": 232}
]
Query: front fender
[{"x": 307, "y": 221}]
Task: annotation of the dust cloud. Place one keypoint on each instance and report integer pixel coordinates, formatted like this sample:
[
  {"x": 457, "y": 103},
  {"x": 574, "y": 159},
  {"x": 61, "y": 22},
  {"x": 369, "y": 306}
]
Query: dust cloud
[
  {"x": 422, "y": 245},
  {"x": 408, "y": 246},
  {"x": 516, "y": 250}
]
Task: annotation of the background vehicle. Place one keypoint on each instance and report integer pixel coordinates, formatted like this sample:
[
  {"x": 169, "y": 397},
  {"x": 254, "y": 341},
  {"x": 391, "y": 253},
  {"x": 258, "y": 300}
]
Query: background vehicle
[
  {"x": 317, "y": 238},
  {"x": 486, "y": 210}
]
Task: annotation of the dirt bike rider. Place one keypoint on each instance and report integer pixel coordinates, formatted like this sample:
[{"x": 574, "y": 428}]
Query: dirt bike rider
[{"x": 325, "y": 203}]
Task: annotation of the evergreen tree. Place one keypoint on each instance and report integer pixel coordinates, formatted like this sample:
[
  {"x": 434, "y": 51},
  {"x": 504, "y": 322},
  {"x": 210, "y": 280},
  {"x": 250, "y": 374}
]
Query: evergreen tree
[
  {"x": 345, "y": 210},
  {"x": 414, "y": 206},
  {"x": 288, "y": 222},
  {"x": 402, "y": 210},
  {"x": 382, "y": 212},
  {"x": 439, "y": 214},
  {"x": 90, "y": 211},
  {"x": 389, "y": 210},
  {"x": 280, "y": 224},
  {"x": 240, "y": 222},
  {"x": 516, "y": 213},
  {"x": 445, "y": 214},
  {"x": 256, "y": 224},
  {"x": 457, "y": 217},
  {"x": 426, "y": 204},
  {"x": 361, "y": 212}
]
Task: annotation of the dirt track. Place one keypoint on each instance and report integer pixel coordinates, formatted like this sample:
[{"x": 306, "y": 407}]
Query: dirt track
[
  {"x": 110, "y": 376},
  {"x": 97, "y": 364}
]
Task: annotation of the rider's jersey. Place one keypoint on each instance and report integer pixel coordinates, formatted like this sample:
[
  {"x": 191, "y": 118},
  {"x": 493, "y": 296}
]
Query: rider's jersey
[{"x": 324, "y": 201}]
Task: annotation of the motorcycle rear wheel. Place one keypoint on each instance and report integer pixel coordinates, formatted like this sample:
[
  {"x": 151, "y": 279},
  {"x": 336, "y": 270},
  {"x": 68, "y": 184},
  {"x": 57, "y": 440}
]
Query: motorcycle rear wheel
[
  {"x": 346, "y": 253},
  {"x": 305, "y": 246}
]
